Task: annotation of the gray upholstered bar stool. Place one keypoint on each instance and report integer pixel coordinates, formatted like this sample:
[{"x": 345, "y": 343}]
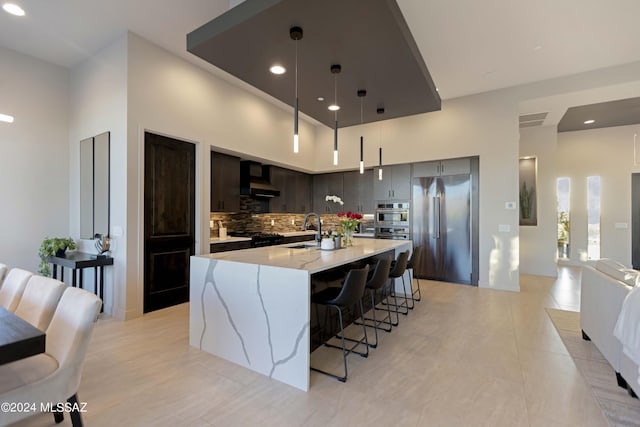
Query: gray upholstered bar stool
[
  {"x": 349, "y": 294},
  {"x": 411, "y": 264}
]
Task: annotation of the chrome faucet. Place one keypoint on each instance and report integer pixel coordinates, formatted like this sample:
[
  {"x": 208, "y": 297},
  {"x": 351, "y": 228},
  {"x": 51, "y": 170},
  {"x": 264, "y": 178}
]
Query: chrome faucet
[{"x": 304, "y": 226}]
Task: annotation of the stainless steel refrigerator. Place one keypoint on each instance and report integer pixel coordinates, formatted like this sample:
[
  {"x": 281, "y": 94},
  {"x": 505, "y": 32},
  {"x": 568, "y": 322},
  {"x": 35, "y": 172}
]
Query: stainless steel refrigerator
[{"x": 442, "y": 225}]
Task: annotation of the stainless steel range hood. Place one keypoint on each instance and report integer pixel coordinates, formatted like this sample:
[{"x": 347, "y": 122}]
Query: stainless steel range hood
[{"x": 254, "y": 181}]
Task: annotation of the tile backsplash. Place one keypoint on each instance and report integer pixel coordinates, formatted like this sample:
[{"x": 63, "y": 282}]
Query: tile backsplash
[{"x": 261, "y": 222}]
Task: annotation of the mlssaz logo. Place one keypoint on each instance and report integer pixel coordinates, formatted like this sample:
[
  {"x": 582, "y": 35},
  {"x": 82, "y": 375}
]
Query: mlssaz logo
[{"x": 64, "y": 407}]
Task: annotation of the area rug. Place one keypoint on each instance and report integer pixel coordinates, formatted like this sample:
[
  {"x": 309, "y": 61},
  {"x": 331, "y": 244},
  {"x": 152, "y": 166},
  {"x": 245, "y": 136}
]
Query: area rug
[{"x": 619, "y": 408}]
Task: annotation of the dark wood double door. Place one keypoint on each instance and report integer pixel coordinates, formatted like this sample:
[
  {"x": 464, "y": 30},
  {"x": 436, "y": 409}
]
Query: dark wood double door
[{"x": 169, "y": 220}]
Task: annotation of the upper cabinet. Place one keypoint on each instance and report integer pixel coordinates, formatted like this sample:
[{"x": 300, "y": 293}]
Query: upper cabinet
[
  {"x": 358, "y": 192},
  {"x": 442, "y": 167},
  {"x": 225, "y": 183},
  {"x": 327, "y": 184},
  {"x": 295, "y": 191},
  {"x": 395, "y": 183}
]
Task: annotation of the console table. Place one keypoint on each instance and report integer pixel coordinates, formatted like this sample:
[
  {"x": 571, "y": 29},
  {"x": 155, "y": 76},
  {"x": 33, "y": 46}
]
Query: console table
[{"x": 78, "y": 261}]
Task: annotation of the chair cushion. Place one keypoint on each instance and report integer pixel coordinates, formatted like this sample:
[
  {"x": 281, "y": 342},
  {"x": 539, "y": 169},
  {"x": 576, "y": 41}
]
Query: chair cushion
[
  {"x": 26, "y": 371},
  {"x": 39, "y": 301},
  {"x": 618, "y": 271},
  {"x": 13, "y": 287}
]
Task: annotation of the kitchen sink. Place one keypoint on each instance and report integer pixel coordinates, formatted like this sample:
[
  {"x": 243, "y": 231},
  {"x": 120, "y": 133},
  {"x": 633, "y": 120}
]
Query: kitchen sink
[{"x": 302, "y": 246}]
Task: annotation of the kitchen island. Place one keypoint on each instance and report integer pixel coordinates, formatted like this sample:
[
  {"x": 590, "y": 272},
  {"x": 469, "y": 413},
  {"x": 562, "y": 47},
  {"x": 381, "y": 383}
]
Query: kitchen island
[{"x": 252, "y": 306}]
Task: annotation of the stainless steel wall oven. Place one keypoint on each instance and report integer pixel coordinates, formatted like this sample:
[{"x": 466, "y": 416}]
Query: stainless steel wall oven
[{"x": 392, "y": 221}]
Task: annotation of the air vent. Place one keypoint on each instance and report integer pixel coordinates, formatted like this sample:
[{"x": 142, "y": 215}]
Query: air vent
[
  {"x": 531, "y": 124},
  {"x": 530, "y": 120}
]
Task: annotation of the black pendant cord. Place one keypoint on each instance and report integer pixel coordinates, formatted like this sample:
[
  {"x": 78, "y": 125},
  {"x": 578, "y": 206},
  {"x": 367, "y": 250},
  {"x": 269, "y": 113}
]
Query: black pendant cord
[{"x": 361, "y": 94}]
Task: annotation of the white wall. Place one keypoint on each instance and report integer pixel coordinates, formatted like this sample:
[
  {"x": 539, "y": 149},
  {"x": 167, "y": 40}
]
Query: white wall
[
  {"x": 34, "y": 152},
  {"x": 483, "y": 125},
  {"x": 98, "y": 104},
  {"x": 609, "y": 153},
  {"x": 538, "y": 244},
  {"x": 170, "y": 96}
]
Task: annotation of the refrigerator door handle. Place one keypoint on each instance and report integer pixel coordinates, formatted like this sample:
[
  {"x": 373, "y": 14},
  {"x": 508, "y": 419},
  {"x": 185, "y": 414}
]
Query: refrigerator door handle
[{"x": 438, "y": 217}]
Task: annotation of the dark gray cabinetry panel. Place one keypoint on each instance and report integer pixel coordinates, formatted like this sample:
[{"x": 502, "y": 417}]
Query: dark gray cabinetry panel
[
  {"x": 395, "y": 183},
  {"x": 358, "y": 191},
  {"x": 295, "y": 191},
  {"x": 442, "y": 167},
  {"x": 327, "y": 184},
  {"x": 225, "y": 183}
]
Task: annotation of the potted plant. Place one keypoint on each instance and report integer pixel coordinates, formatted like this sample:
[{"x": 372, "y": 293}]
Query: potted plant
[{"x": 54, "y": 246}]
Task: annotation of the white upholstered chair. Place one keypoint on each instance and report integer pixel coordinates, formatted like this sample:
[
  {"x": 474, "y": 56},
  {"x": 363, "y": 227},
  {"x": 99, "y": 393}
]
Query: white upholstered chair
[
  {"x": 3, "y": 272},
  {"x": 53, "y": 376},
  {"x": 39, "y": 301},
  {"x": 13, "y": 287}
]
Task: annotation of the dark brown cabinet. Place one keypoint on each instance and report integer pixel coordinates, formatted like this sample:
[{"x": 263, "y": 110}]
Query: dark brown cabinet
[
  {"x": 327, "y": 184},
  {"x": 295, "y": 191},
  {"x": 225, "y": 183}
]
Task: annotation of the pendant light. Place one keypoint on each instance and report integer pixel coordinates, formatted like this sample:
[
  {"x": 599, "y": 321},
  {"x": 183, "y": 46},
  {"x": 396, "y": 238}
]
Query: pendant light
[
  {"x": 361, "y": 94},
  {"x": 296, "y": 34},
  {"x": 380, "y": 111},
  {"x": 335, "y": 70}
]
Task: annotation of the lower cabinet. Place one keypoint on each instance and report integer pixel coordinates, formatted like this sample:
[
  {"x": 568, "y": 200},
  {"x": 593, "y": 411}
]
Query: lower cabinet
[{"x": 230, "y": 246}]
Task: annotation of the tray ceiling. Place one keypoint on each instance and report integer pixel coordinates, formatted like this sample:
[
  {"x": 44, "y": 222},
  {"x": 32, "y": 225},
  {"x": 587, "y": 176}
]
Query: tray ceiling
[{"x": 370, "y": 40}]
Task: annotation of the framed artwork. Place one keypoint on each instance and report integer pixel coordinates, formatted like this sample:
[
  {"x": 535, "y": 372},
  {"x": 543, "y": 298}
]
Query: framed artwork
[{"x": 528, "y": 168}]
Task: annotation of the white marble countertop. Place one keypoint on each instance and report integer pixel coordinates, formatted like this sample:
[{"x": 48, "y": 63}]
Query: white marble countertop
[{"x": 311, "y": 258}]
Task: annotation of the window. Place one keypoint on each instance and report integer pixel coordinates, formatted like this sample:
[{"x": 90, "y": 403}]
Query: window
[
  {"x": 563, "y": 188},
  {"x": 593, "y": 217}
]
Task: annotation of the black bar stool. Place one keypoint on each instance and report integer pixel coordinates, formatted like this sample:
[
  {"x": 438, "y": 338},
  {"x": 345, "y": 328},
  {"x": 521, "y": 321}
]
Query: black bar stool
[
  {"x": 397, "y": 270},
  {"x": 375, "y": 283},
  {"x": 350, "y": 294},
  {"x": 413, "y": 261}
]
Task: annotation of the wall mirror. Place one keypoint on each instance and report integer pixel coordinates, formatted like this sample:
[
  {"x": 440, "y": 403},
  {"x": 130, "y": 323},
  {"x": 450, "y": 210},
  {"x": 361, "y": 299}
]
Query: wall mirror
[{"x": 94, "y": 186}]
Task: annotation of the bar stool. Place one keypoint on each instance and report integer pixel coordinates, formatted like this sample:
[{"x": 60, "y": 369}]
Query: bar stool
[
  {"x": 413, "y": 261},
  {"x": 397, "y": 270},
  {"x": 376, "y": 282},
  {"x": 350, "y": 294}
]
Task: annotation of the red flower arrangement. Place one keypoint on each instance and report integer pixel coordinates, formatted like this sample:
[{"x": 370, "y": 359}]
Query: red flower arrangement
[{"x": 349, "y": 220}]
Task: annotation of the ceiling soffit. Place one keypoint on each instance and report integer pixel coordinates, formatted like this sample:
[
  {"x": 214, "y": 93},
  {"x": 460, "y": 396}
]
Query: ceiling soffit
[
  {"x": 621, "y": 112},
  {"x": 370, "y": 40}
]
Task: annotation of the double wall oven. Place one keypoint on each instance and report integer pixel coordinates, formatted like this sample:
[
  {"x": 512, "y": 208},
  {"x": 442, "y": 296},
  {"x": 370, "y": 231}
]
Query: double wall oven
[{"x": 392, "y": 220}]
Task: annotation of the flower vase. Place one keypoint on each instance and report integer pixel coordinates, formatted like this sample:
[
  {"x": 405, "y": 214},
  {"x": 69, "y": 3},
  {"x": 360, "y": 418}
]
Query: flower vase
[{"x": 348, "y": 237}]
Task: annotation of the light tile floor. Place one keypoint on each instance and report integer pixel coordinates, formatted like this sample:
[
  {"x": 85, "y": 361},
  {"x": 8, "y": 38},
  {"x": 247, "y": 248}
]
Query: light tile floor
[{"x": 464, "y": 357}]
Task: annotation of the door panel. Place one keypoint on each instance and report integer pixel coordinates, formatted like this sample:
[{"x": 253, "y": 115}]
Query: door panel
[{"x": 169, "y": 220}]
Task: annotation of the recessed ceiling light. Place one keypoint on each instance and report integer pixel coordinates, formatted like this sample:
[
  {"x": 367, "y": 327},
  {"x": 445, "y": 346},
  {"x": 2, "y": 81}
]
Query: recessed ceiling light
[
  {"x": 321, "y": 98},
  {"x": 537, "y": 48},
  {"x": 277, "y": 69},
  {"x": 6, "y": 118},
  {"x": 588, "y": 122},
  {"x": 13, "y": 9},
  {"x": 334, "y": 107}
]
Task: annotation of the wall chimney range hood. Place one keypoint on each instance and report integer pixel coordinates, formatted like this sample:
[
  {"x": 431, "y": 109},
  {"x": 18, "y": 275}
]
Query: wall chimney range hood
[{"x": 254, "y": 181}]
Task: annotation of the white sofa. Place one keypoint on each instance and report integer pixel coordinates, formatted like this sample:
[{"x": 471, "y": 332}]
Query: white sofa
[{"x": 601, "y": 299}]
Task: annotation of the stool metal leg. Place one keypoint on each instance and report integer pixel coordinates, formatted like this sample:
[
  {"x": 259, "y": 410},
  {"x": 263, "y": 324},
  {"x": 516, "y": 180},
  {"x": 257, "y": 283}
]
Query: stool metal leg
[
  {"x": 376, "y": 323},
  {"x": 417, "y": 291}
]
